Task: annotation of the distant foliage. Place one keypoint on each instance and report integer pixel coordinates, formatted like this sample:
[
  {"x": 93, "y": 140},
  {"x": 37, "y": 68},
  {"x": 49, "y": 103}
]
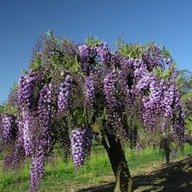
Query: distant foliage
[{"x": 184, "y": 82}]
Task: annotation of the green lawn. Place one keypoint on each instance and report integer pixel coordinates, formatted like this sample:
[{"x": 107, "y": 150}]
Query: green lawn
[{"x": 60, "y": 176}]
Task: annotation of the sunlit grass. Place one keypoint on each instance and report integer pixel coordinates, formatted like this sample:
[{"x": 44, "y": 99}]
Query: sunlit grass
[{"x": 59, "y": 175}]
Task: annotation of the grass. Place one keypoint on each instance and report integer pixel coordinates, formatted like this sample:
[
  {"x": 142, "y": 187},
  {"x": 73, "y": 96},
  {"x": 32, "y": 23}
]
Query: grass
[{"x": 60, "y": 176}]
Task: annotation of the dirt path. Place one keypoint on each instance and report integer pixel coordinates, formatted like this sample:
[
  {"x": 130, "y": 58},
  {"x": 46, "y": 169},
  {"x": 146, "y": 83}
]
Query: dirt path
[{"x": 176, "y": 177}]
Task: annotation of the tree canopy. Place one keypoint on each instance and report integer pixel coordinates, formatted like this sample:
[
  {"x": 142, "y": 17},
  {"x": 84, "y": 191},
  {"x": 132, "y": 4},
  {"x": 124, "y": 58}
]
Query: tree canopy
[{"x": 72, "y": 90}]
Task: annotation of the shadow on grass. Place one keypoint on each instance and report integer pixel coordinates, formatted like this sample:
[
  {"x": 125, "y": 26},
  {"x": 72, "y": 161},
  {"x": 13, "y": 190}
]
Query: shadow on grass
[
  {"x": 176, "y": 177},
  {"x": 103, "y": 188}
]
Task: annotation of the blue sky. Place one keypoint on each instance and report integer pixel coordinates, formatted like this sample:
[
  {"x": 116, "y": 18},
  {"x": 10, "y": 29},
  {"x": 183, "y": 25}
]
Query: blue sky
[{"x": 167, "y": 22}]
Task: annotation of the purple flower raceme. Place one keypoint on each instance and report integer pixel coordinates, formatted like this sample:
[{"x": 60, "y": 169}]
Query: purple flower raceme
[
  {"x": 89, "y": 92},
  {"x": 150, "y": 85},
  {"x": 114, "y": 105},
  {"x": 127, "y": 64},
  {"x": 37, "y": 169},
  {"x": 81, "y": 140},
  {"x": 161, "y": 102},
  {"x": 20, "y": 124},
  {"x": 127, "y": 94},
  {"x": 11, "y": 135},
  {"x": 7, "y": 127},
  {"x": 25, "y": 91},
  {"x": 151, "y": 59},
  {"x": 115, "y": 59},
  {"x": 18, "y": 155},
  {"x": 87, "y": 55},
  {"x": 44, "y": 104},
  {"x": 104, "y": 53},
  {"x": 84, "y": 51},
  {"x": 26, "y": 95},
  {"x": 27, "y": 134},
  {"x": 64, "y": 93},
  {"x": 171, "y": 107},
  {"x": 144, "y": 82},
  {"x": 168, "y": 101},
  {"x": 109, "y": 91},
  {"x": 44, "y": 115},
  {"x": 140, "y": 69}
]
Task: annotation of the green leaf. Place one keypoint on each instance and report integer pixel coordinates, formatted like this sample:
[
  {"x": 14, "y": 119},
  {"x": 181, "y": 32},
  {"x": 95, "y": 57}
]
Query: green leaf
[
  {"x": 37, "y": 63},
  {"x": 92, "y": 41},
  {"x": 24, "y": 71}
]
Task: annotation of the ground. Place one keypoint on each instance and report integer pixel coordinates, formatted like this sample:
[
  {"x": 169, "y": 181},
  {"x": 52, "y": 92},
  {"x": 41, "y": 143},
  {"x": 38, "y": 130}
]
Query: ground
[{"x": 175, "y": 177}]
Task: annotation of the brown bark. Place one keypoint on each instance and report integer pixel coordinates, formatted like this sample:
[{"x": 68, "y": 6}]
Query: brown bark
[
  {"x": 165, "y": 145},
  {"x": 119, "y": 164}
]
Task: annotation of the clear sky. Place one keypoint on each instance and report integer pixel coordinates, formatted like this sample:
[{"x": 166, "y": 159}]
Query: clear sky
[{"x": 168, "y": 22}]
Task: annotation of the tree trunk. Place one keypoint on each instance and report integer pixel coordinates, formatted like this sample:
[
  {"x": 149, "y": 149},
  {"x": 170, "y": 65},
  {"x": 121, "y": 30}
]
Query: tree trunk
[
  {"x": 167, "y": 156},
  {"x": 119, "y": 164},
  {"x": 167, "y": 150},
  {"x": 165, "y": 145}
]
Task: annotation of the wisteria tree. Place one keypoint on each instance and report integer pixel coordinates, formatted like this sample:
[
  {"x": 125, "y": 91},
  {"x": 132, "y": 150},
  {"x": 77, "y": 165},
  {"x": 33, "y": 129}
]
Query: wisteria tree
[{"x": 129, "y": 94}]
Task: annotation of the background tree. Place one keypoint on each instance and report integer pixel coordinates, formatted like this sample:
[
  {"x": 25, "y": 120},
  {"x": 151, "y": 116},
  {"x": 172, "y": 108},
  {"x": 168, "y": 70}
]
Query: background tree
[
  {"x": 184, "y": 82},
  {"x": 70, "y": 89}
]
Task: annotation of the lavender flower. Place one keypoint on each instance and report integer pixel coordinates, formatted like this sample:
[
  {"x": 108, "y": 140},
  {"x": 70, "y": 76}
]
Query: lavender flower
[
  {"x": 7, "y": 126},
  {"x": 81, "y": 140},
  {"x": 27, "y": 134},
  {"x": 104, "y": 54},
  {"x": 63, "y": 95},
  {"x": 37, "y": 169},
  {"x": 38, "y": 156},
  {"x": 89, "y": 92},
  {"x": 25, "y": 91}
]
